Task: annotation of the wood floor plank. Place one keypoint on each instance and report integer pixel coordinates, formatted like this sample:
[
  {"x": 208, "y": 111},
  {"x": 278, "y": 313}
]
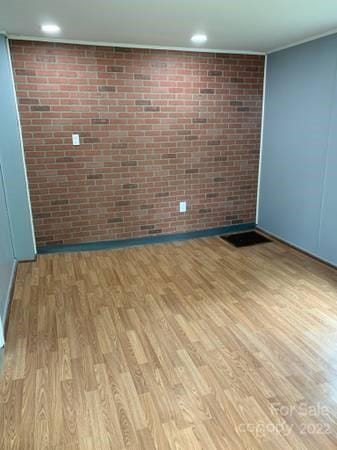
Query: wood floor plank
[{"x": 187, "y": 345}]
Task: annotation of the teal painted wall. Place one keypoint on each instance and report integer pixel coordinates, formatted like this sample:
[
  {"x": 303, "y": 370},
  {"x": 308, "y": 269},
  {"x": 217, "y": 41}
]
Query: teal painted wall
[
  {"x": 16, "y": 230},
  {"x": 298, "y": 177},
  {"x": 13, "y": 165}
]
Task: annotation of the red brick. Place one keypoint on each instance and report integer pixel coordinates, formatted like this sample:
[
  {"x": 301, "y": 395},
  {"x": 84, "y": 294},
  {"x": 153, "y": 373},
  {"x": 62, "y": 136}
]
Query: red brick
[{"x": 156, "y": 128}]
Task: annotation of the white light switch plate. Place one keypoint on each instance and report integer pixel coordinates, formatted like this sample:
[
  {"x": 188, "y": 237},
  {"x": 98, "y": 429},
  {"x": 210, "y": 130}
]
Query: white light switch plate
[
  {"x": 76, "y": 139},
  {"x": 182, "y": 207}
]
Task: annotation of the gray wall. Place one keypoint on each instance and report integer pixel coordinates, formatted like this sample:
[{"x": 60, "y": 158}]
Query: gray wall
[
  {"x": 298, "y": 181},
  {"x": 13, "y": 164},
  {"x": 7, "y": 260},
  {"x": 16, "y": 231}
]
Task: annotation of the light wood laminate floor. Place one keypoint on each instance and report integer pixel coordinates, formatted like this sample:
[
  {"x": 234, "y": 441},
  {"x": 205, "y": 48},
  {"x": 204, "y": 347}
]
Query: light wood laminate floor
[{"x": 176, "y": 346}]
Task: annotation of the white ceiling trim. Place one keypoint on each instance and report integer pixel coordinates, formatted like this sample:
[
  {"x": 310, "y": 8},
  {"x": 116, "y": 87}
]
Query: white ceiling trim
[
  {"x": 161, "y": 47},
  {"x": 114, "y": 44},
  {"x": 303, "y": 41}
]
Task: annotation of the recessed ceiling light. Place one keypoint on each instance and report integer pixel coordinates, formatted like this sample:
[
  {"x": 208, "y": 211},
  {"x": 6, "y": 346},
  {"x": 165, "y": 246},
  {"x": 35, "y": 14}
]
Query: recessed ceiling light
[
  {"x": 199, "y": 38},
  {"x": 50, "y": 28}
]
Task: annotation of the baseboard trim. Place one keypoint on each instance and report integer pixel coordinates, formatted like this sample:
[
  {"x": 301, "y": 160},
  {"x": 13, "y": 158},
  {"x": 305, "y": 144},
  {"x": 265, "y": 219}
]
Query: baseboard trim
[
  {"x": 9, "y": 298},
  {"x": 134, "y": 242},
  {"x": 296, "y": 247},
  {"x": 25, "y": 261}
]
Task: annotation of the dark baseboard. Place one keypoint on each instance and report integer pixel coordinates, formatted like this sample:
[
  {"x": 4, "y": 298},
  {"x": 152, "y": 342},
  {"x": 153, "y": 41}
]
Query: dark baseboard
[{"x": 157, "y": 239}]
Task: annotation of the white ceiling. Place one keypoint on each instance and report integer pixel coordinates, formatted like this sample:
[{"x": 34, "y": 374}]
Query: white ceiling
[{"x": 244, "y": 25}]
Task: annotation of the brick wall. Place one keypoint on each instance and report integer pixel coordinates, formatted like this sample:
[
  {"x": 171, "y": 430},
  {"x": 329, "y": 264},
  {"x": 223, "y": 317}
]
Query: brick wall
[{"x": 156, "y": 127}]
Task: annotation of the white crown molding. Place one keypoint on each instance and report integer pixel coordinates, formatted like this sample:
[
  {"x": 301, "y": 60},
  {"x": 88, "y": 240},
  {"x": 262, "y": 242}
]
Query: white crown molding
[
  {"x": 150, "y": 47},
  {"x": 303, "y": 41},
  {"x": 163, "y": 47}
]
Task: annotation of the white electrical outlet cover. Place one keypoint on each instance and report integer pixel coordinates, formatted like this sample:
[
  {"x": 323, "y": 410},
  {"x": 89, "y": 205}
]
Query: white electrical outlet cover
[
  {"x": 76, "y": 139},
  {"x": 182, "y": 207}
]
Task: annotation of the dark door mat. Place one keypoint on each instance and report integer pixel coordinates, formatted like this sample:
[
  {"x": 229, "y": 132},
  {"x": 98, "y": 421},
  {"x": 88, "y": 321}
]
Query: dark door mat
[{"x": 245, "y": 239}]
